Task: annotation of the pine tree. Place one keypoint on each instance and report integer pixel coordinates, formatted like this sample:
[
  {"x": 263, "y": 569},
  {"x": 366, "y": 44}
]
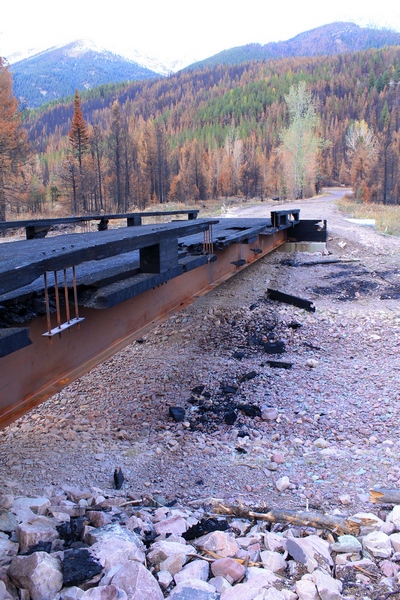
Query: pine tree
[
  {"x": 79, "y": 139},
  {"x": 13, "y": 139}
]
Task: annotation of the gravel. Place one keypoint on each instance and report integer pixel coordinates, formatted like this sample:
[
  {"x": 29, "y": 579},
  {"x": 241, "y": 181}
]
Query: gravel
[{"x": 327, "y": 427}]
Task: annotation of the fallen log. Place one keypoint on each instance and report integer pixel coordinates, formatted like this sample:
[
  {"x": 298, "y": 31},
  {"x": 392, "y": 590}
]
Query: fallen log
[
  {"x": 337, "y": 524},
  {"x": 289, "y": 299},
  {"x": 384, "y": 495}
]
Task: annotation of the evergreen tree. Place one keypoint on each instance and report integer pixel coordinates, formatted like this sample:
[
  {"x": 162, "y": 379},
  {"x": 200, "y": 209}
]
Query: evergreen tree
[
  {"x": 13, "y": 140},
  {"x": 79, "y": 139}
]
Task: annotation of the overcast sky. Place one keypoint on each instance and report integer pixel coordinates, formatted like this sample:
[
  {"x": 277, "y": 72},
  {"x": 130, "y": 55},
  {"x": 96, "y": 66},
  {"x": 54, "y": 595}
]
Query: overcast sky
[{"x": 169, "y": 29}]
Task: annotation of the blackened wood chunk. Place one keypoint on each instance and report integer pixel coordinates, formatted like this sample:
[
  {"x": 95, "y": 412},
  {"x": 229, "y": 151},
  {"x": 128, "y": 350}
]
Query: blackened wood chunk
[
  {"x": 229, "y": 389},
  {"x": 248, "y": 376},
  {"x": 205, "y": 526},
  {"x": 198, "y": 390},
  {"x": 251, "y": 410},
  {"x": 274, "y": 347},
  {"x": 277, "y": 364},
  {"x": 79, "y": 566},
  {"x": 230, "y": 417},
  {"x": 177, "y": 413},
  {"x": 72, "y": 531},
  {"x": 40, "y": 547},
  {"x": 238, "y": 355},
  {"x": 118, "y": 478}
]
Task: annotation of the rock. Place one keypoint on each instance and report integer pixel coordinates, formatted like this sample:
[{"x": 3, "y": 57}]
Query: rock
[
  {"x": 389, "y": 568},
  {"x": 75, "y": 494},
  {"x": 78, "y": 566},
  {"x": 193, "y": 589},
  {"x": 6, "y": 501},
  {"x": 175, "y": 525},
  {"x": 137, "y": 582},
  {"x": 321, "y": 443},
  {"x": 98, "y": 518},
  {"x": 173, "y": 564},
  {"x": 4, "y": 594},
  {"x": 312, "y": 363},
  {"x": 221, "y": 543},
  {"x": 197, "y": 569},
  {"x": 378, "y": 544},
  {"x": 306, "y": 590},
  {"x": 8, "y": 522},
  {"x": 112, "y": 545},
  {"x": 220, "y": 584},
  {"x": 368, "y": 522},
  {"x": 105, "y": 592},
  {"x": 346, "y": 543},
  {"x": 228, "y": 568},
  {"x": 8, "y": 550},
  {"x": 164, "y": 579},
  {"x": 177, "y": 413},
  {"x": 282, "y": 483},
  {"x": 273, "y": 561},
  {"x": 160, "y": 551},
  {"x": 39, "y": 506},
  {"x": 269, "y": 413},
  {"x": 310, "y": 551},
  {"x": 39, "y": 573},
  {"x": 274, "y": 542},
  {"x": 70, "y": 593},
  {"x": 395, "y": 541},
  {"x": 394, "y": 517},
  {"x": 274, "y": 594},
  {"x": 38, "y": 529},
  {"x": 327, "y": 587}
]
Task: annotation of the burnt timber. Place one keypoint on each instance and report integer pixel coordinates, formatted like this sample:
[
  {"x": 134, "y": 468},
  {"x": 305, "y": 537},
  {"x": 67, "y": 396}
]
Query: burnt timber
[{"x": 69, "y": 302}]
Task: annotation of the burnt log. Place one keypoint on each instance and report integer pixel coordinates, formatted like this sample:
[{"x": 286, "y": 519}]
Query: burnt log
[{"x": 384, "y": 495}]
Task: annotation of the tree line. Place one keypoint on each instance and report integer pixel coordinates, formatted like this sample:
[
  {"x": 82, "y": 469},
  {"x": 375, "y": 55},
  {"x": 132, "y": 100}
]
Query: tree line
[{"x": 221, "y": 132}]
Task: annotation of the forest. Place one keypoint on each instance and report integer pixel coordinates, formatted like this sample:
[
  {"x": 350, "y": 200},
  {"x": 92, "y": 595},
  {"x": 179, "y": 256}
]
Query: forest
[{"x": 215, "y": 132}]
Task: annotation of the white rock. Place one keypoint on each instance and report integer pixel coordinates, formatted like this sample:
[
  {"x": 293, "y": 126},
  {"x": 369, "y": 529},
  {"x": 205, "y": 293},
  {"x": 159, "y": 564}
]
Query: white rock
[
  {"x": 269, "y": 413},
  {"x": 395, "y": 541},
  {"x": 378, "y": 544},
  {"x": 112, "y": 545},
  {"x": 282, "y": 483},
  {"x": 187, "y": 589},
  {"x": 160, "y": 551},
  {"x": 137, "y": 582},
  {"x": 306, "y": 590},
  {"x": 164, "y": 579},
  {"x": 105, "y": 592},
  {"x": 175, "y": 525},
  {"x": 197, "y": 569},
  {"x": 346, "y": 543},
  {"x": 39, "y": 506},
  {"x": 273, "y": 561},
  {"x": 38, "y": 529},
  {"x": 274, "y": 541},
  {"x": 40, "y": 574},
  {"x": 4, "y": 594},
  {"x": 394, "y": 516},
  {"x": 70, "y": 593},
  {"x": 220, "y": 542},
  {"x": 228, "y": 568},
  {"x": 327, "y": 587},
  {"x": 321, "y": 443},
  {"x": 220, "y": 584},
  {"x": 8, "y": 550},
  {"x": 368, "y": 522}
]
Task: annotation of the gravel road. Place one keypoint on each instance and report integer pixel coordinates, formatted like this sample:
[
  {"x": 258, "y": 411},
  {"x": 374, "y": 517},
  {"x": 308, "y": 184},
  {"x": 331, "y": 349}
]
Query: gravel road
[{"x": 329, "y": 423}]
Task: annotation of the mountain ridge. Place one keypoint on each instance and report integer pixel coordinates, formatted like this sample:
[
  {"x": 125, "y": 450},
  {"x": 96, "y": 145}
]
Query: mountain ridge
[{"x": 333, "y": 38}]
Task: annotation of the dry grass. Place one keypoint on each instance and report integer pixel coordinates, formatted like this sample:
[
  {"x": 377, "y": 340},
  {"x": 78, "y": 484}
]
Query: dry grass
[{"x": 387, "y": 218}]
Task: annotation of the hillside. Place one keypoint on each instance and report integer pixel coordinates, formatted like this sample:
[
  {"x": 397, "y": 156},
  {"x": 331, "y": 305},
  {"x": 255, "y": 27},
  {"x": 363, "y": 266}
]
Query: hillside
[
  {"x": 215, "y": 132},
  {"x": 58, "y": 72},
  {"x": 329, "y": 39}
]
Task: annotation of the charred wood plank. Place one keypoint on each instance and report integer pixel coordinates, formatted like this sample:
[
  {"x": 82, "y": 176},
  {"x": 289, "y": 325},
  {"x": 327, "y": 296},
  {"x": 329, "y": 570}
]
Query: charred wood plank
[
  {"x": 289, "y": 299},
  {"x": 338, "y": 524},
  {"x": 384, "y": 495}
]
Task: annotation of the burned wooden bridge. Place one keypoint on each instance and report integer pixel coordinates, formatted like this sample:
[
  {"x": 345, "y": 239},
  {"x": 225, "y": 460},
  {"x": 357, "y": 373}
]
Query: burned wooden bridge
[{"x": 70, "y": 301}]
